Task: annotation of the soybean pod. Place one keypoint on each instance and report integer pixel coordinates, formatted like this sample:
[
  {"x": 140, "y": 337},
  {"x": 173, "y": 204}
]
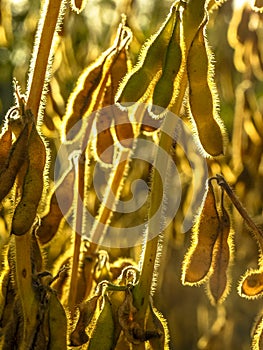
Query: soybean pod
[
  {"x": 164, "y": 89},
  {"x": 203, "y": 97},
  {"x": 5, "y": 146},
  {"x": 103, "y": 335},
  {"x": 198, "y": 260},
  {"x": 218, "y": 286},
  {"x": 33, "y": 185},
  {"x": 193, "y": 16},
  {"x": 57, "y": 324},
  {"x": 136, "y": 84},
  {"x": 14, "y": 162}
]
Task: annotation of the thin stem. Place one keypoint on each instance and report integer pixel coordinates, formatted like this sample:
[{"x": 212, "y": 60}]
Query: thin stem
[
  {"x": 258, "y": 232},
  {"x": 42, "y": 54},
  {"x": 79, "y": 164},
  {"x": 110, "y": 199},
  {"x": 142, "y": 290}
]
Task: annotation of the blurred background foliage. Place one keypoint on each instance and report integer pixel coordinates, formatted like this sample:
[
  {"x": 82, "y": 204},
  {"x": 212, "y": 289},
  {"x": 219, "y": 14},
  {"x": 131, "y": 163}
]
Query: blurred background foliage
[{"x": 236, "y": 37}]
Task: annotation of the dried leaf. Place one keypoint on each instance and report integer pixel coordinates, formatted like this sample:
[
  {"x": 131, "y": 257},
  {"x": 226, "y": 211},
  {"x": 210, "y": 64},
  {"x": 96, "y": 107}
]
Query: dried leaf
[{"x": 87, "y": 311}]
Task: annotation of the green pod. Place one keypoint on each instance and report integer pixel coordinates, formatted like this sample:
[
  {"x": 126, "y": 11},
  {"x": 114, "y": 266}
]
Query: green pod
[
  {"x": 103, "y": 334},
  {"x": 193, "y": 16},
  {"x": 164, "y": 89},
  {"x": 151, "y": 56},
  {"x": 33, "y": 185},
  {"x": 57, "y": 324}
]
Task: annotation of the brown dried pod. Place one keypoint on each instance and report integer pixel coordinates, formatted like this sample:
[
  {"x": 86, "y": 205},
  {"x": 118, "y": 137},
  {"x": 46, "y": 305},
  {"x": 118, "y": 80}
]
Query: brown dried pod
[{"x": 87, "y": 310}]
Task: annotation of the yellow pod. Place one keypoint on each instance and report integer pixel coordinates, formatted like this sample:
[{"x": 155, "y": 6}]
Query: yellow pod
[
  {"x": 164, "y": 89},
  {"x": 16, "y": 158},
  {"x": 135, "y": 84},
  {"x": 102, "y": 336},
  {"x": 203, "y": 98},
  {"x": 81, "y": 98},
  {"x": 251, "y": 285},
  {"x": 218, "y": 285},
  {"x": 33, "y": 185},
  {"x": 198, "y": 260},
  {"x": 89, "y": 91},
  {"x": 50, "y": 222}
]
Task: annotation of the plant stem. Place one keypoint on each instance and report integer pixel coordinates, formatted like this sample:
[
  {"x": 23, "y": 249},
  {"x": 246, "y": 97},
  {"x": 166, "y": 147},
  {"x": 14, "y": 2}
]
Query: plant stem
[
  {"x": 25, "y": 290},
  {"x": 42, "y": 54},
  {"x": 79, "y": 164},
  {"x": 256, "y": 230},
  {"x": 142, "y": 290},
  {"x": 110, "y": 199}
]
